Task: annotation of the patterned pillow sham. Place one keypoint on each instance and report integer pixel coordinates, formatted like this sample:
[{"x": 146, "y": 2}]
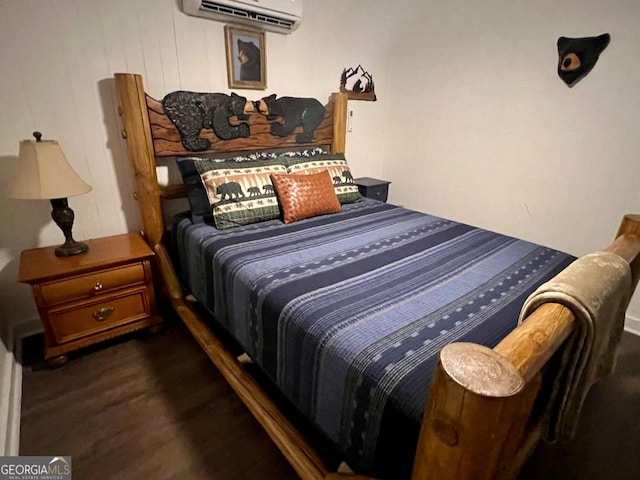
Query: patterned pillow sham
[
  {"x": 339, "y": 171},
  {"x": 312, "y": 152},
  {"x": 229, "y": 194}
]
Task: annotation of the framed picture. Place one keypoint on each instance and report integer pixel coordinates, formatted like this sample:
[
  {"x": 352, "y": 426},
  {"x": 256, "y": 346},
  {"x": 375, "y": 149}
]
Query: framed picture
[{"x": 246, "y": 58}]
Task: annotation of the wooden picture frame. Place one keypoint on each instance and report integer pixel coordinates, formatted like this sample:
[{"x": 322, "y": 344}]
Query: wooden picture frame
[{"x": 246, "y": 58}]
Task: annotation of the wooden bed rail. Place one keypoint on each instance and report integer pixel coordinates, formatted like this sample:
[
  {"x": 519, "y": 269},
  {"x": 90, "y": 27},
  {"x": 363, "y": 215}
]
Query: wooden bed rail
[
  {"x": 302, "y": 457},
  {"x": 477, "y": 422}
]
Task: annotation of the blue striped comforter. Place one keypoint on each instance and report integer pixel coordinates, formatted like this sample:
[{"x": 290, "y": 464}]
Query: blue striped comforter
[{"x": 346, "y": 312}]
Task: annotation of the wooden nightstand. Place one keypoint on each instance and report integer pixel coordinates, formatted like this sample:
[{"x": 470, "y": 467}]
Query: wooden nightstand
[
  {"x": 93, "y": 296},
  {"x": 373, "y": 188}
]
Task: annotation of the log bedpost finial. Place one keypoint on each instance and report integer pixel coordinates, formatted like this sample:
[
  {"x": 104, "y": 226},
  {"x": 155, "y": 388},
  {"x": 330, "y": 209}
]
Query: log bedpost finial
[
  {"x": 629, "y": 245},
  {"x": 480, "y": 370},
  {"x": 630, "y": 225},
  {"x": 339, "y": 122},
  {"x": 475, "y": 416}
]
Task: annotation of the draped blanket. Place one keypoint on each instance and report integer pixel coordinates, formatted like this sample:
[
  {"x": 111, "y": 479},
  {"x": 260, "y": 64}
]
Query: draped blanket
[
  {"x": 346, "y": 312},
  {"x": 596, "y": 288}
]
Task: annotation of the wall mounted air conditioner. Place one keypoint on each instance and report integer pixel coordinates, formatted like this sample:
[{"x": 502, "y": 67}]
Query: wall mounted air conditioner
[{"x": 281, "y": 16}]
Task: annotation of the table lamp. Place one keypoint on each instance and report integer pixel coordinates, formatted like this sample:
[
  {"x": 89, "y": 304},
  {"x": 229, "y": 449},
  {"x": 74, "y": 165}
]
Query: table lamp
[{"x": 45, "y": 173}]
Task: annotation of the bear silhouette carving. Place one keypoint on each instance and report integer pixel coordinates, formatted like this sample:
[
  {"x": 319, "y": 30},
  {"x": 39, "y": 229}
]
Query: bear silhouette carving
[
  {"x": 292, "y": 112},
  {"x": 192, "y": 112}
]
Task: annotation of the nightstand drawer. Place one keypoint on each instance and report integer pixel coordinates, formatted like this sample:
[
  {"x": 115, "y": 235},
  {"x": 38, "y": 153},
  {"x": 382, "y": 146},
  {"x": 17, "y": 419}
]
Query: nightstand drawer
[
  {"x": 373, "y": 188},
  {"x": 75, "y": 322},
  {"x": 379, "y": 192},
  {"x": 89, "y": 285}
]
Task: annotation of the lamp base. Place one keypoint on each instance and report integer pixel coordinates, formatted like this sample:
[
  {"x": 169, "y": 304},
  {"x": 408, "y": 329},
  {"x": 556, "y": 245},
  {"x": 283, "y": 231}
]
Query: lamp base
[
  {"x": 63, "y": 216},
  {"x": 71, "y": 248}
]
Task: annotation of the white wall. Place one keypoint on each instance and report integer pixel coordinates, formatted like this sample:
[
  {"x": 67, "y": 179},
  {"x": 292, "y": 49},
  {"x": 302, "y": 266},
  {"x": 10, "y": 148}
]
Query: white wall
[
  {"x": 472, "y": 121},
  {"x": 486, "y": 132}
]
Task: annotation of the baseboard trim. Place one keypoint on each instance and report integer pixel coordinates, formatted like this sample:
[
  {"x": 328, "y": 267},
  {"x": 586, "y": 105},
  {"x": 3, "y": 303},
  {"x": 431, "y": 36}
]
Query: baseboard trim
[
  {"x": 11, "y": 385},
  {"x": 10, "y": 398},
  {"x": 12, "y": 445},
  {"x": 632, "y": 325}
]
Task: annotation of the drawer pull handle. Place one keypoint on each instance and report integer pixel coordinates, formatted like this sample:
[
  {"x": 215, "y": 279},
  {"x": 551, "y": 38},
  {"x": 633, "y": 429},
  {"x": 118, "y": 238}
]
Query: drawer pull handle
[
  {"x": 98, "y": 286},
  {"x": 103, "y": 313}
]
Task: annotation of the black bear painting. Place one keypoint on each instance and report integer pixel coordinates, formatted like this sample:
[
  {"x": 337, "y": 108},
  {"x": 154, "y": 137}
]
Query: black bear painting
[
  {"x": 292, "y": 112},
  {"x": 191, "y": 112},
  {"x": 249, "y": 58}
]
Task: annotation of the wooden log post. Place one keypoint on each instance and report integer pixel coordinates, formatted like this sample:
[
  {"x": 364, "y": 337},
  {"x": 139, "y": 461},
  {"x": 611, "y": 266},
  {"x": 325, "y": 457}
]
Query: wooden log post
[
  {"x": 476, "y": 415},
  {"x": 340, "y": 101},
  {"x": 133, "y": 110},
  {"x": 627, "y": 245}
]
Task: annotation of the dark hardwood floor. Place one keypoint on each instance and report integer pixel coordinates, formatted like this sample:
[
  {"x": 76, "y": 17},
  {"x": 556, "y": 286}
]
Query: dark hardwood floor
[
  {"x": 146, "y": 407},
  {"x": 607, "y": 441},
  {"x": 153, "y": 406}
]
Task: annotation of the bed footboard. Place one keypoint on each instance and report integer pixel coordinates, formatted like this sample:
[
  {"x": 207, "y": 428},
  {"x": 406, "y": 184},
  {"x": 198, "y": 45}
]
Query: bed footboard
[{"x": 478, "y": 420}]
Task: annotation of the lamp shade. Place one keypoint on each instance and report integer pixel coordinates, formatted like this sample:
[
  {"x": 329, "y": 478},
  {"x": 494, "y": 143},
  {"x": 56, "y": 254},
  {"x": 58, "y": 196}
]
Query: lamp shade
[{"x": 45, "y": 173}]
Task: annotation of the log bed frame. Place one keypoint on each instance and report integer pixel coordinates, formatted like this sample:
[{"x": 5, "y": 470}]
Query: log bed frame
[{"x": 476, "y": 424}]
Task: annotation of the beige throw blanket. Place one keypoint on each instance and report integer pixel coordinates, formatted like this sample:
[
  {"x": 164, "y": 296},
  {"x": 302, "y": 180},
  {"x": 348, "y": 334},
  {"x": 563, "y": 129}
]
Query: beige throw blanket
[{"x": 596, "y": 289}]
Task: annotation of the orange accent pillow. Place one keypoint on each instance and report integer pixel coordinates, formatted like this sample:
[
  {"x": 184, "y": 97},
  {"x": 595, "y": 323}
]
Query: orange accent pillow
[{"x": 305, "y": 196}]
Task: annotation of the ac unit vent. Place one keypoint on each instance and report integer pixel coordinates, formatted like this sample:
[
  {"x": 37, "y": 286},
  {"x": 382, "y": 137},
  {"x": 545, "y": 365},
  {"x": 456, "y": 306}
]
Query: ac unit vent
[{"x": 240, "y": 13}]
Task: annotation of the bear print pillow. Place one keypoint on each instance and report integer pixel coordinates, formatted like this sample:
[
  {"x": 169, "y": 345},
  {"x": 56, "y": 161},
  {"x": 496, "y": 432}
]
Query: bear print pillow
[
  {"x": 339, "y": 171},
  {"x": 228, "y": 194}
]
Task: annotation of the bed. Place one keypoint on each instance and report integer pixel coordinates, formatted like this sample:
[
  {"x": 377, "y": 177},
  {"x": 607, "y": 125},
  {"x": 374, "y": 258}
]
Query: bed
[{"x": 394, "y": 333}]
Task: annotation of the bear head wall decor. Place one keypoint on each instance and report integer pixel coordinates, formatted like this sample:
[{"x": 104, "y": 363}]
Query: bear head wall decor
[{"x": 578, "y": 56}]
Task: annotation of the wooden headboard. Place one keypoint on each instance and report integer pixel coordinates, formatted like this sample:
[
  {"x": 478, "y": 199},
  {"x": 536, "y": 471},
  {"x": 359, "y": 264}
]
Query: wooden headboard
[
  {"x": 166, "y": 139},
  {"x": 150, "y": 134}
]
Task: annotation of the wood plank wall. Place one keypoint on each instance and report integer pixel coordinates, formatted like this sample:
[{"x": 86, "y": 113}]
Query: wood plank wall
[{"x": 58, "y": 78}]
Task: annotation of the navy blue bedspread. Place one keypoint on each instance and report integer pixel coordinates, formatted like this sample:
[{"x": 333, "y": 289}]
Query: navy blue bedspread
[{"x": 346, "y": 312}]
